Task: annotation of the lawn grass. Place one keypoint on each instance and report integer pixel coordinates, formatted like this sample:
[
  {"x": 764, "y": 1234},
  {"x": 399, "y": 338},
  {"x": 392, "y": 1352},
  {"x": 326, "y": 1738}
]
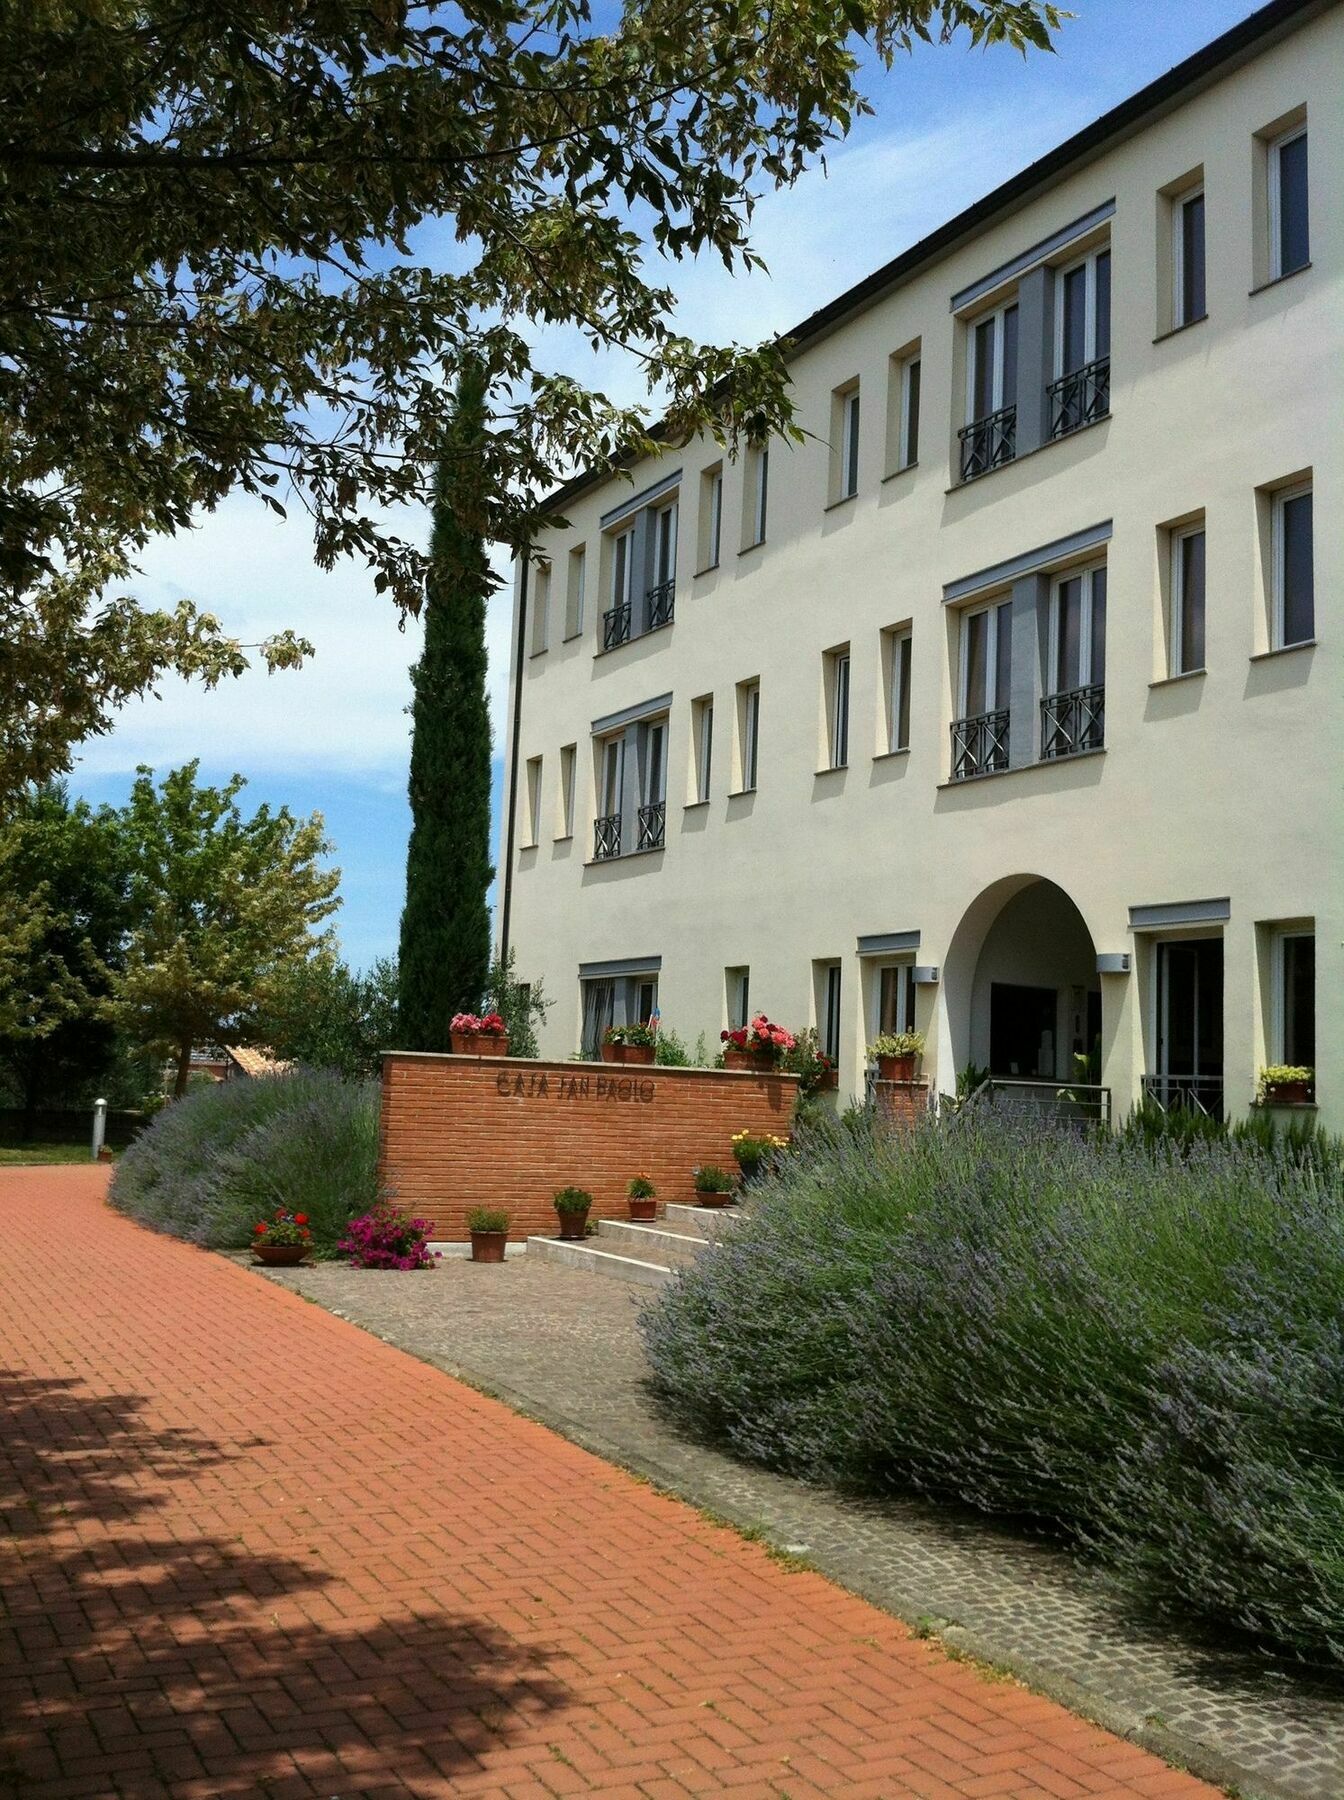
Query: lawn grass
[{"x": 19, "y": 1155}]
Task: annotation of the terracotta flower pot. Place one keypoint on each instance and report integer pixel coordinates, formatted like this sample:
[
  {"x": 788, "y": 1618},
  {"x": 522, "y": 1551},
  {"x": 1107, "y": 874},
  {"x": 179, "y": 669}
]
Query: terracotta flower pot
[
  {"x": 574, "y": 1225},
  {"x": 281, "y": 1256},
  {"x": 643, "y": 1212},
  {"x": 759, "y": 1062},
  {"x": 488, "y": 1246},
  {"x": 492, "y": 1043},
  {"x": 463, "y": 1043},
  {"x": 1288, "y": 1093},
  {"x": 611, "y": 1053},
  {"x": 712, "y": 1197},
  {"x": 638, "y": 1053},
  {"x": 896, "y": 1068}
]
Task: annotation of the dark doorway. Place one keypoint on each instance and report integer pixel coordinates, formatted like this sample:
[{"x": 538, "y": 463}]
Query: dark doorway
[
  {"x": 1190, "y": 1023},
  {"x": 1022, "y": 1030}
]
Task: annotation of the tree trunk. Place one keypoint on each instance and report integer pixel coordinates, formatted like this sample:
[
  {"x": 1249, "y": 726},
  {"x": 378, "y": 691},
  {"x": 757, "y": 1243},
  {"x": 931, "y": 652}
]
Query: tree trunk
[{"x": 183, "y": 1070}]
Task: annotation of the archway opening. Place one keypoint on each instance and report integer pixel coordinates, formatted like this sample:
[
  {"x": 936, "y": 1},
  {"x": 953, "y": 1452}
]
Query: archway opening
[{"x": 1035, "y": 1004}]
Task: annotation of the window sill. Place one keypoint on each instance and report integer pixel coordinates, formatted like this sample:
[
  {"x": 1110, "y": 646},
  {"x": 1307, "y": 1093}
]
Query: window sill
[
  {"x": 563, "y": 837},
  {"x": 887, "y": 755},
  {"x": 740, "y": 793},
  {"x": 1185, "y": 675},
  {"x": 895, "y": 475},
  {"x": 694, "y": 805},
  {"x": 1068, "y": 437},
  {"x": 1048, "y": 762},
  {"x": 635, "y": 637},
  {"x": 1300, "y": 1106},
  {"x": 844, "y": 500},
  {"x": 1276, "y": 281},
  {"x": 1284, "y": 650},
  {"x": 1176, "y": 330},
  {"x": 572, "y": 637},
  {"x": 708, "y": 569},
  {"x": 747, "y": 549},
  {"x": 532, "y": 655},
  {"x": 830, "y": 769},
  {"x": 605, "y": 862}
]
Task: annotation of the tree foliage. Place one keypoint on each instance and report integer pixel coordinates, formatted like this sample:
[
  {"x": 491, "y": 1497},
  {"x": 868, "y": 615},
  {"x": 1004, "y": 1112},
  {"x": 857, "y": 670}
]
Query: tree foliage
[
  {"x": 445, "y": 924},
  {"x": 223, "y": 908},
  {"x": 327, "y": 1016},
  {"x": 250, "y": 244}
]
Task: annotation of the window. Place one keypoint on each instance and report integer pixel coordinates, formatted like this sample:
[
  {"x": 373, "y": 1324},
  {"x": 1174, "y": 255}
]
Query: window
[
  {"x": 1189, "y": 1026},
  {"x": 980, "y": 735},
  {"x": 895, "y": 1000},
  {"x": 749, "y": 732},
  {"x": 845, "y": 442},
  {"x": 711, "y": 516},
  {"x": 1081, "y": 391},
  {"x": 1187, "y": 258},
  {"x": 578, "y": 574},
  {"x": 990, "y": 436},
  {"x": 909, "y": 452},
  {"x": 830, "y": 1011},
  {"x": 702, "y": 744},
  {"x": 896, "y": 661},
  {"x": 646, "y": 1000},
  {"x": 665, "y": 543},
  {"x": 758, "y": 489},
  {"x": 568, "y": 762},
  {"x": 738, "y": 985},
  {"x": 652, "y": 821},
  {"x": 1073, "y": 715},
  {"x": 1295, "y": 999},
  {"x": 533, "y": 802},
  {"x": 837, "y": 706},
  {"x": 616, "y": 619},
  {"x": 1185, "y": 653},
  {"x": 1293, "y": 583},
  {"x": 541, "y": 606},
  {"x": 599, "y": 1007},
  {"x": 1289, "y": 240},
  {"x": 610, "y": 790}
]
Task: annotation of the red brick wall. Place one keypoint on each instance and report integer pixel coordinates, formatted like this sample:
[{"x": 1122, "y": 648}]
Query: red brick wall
[
  {"x": 904, "y": 1102},
  {"x": 464, "y": 1131}
]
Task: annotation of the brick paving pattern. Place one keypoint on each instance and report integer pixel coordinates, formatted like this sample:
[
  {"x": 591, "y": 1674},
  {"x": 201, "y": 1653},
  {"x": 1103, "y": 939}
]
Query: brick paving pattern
[{"x": 251, "y": 1550}]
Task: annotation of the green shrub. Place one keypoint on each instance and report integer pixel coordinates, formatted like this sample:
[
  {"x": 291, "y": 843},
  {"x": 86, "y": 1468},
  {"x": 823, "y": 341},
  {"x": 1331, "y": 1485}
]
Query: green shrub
[
  {"x": 573, "y": 1200},
  {"x": 710, "y": 1179},
  {"x": 218, "y": 1160},
  {"x": 487, "y": 1218},
  {"x": 1139, "y": 1341}
]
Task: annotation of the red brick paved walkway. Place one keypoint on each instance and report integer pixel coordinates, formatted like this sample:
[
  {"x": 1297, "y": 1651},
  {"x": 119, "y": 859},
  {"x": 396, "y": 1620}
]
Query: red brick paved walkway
[{"x": 255, "y": 1551}]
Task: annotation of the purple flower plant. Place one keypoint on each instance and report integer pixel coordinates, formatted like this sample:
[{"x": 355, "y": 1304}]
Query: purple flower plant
[{"x": 384, "y": 1238}]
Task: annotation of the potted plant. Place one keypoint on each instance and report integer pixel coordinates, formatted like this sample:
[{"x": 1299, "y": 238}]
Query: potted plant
[
  {"x": 713, "y": 1186},
  {"x": 642, "y": 1196},
  {"x": 473, "y": 1035},
  {"x": 572, "y": 1204},
  {"x": 810, "y": 1063},
  {"x": 1285, "y": 1084},
  {"x": 489, "y": 1229},
  {"x": 629, "y": 1044},
  {"x": 896, "y": 1053},
  {"x": 760, "y": 1045},
  {"x": 755, "y": 1150},
  {"x": 283, "y": 1240}
]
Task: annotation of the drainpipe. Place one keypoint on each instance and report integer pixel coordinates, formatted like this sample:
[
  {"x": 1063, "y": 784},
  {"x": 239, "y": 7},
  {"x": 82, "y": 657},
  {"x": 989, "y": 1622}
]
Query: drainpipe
[{"x": 512, "y": 799}]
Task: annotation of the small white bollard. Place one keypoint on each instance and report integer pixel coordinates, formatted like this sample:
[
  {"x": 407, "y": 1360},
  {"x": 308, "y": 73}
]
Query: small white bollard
[{"x": 99, "y": 1126}]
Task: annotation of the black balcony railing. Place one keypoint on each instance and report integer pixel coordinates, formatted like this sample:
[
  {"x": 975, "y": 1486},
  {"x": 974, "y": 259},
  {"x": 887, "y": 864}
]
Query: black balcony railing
[
  {"x": 661, "y": 600},
  {"x": 987, "y": 442},
  {"x": 606, "y": 837},
  {"x": 1074, "y": 721},
  {"x": 652, "y": 825},
  {"x": 616, "y": 625},
  {"x": 1185, "y": 1093},
  {"x": 1080, "y": 397},
  {"x": 979, "y": 745}
]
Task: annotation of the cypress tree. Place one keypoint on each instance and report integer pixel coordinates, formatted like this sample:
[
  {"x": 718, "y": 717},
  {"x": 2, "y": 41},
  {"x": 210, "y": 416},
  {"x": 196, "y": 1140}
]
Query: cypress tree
[{"x": 445, "y": 924}]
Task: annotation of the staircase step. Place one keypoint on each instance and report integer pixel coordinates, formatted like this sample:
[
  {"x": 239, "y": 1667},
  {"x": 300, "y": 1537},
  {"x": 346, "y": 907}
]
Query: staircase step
[
  {"x": 652, "y": 1243},
  {"x": 701, "y": 1219},
  {"x": 587, "y": 1256}
]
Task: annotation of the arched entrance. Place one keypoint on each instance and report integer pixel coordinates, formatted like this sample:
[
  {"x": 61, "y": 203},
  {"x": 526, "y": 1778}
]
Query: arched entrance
[{"x": 1020, "y": 991}]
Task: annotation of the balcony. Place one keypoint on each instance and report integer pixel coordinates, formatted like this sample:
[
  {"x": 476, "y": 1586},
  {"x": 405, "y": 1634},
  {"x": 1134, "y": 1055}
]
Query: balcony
[
  {"x": 980, "y": 744},
  {"x": 652, "y": 825},
  {"x": 1185, "y": 1093},
  {"x": 661, "y": 600},
  {"x": 1080, "y": 397},
  {"x": 988, "y": 442},
  {"x": 1074, "y": 721},
  {"x": 606, "y": 837},
  {"x": 616, "y": 625}
]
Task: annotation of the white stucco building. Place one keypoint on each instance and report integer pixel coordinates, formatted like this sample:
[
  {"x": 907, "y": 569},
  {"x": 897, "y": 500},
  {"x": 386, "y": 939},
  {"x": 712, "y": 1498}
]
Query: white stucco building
[{"x": 1011, "y": 704}]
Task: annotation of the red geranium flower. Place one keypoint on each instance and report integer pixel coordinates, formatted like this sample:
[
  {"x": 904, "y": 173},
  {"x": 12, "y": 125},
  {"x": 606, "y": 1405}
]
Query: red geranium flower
[{"x": 300, "y": 1218}]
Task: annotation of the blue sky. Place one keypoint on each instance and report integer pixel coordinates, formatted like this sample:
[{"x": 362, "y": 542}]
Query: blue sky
[{"x": 949, "y": 125}]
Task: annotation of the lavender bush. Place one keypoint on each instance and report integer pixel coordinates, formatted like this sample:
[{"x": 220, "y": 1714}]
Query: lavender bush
[
  {"x": 214, "y": 1162},
  {"x": 1139, "y": 1342}
]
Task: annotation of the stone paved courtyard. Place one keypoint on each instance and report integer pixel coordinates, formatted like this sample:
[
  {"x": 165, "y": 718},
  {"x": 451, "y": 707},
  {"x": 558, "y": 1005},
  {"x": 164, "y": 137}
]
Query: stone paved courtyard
[{"x": 562, "y": 1346}]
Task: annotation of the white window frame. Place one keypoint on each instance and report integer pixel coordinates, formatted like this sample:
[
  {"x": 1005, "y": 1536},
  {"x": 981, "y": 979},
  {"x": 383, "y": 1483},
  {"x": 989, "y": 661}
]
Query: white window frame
[
  {"x": 849, "y": 442},
  {"x": 622, "y": 565},
  {"x": 1176, "y": 637},
  {"x": 541, "y": 607},
  {"x": 1085, "y": 675},
  {"x": 654, "y": 770},
  {"x": 569, "y": 760},
  {"x": 1278, "y": 987},
  {"x": 535, "y": 774},
  {"x": 715, "y": 544},
  {"x": 1275, "y": 149},
  {"x": 738, "y": 984},
  {"x": 612, "y": 763},
  {"x": 575, "y": 591},
  {"x": 973, "y": 326},
  {"x": 751, "y": 735},
  {"x": 1089, "y": 263},
  {"x": 904, "y": 972},
  {"x": 908, "y": 453},
  {"x": 839, "y": 684},
  {"x": 996, "y": 609},
  {"x": 761, "y": 494},
  {"x": 1278, "y": 500},
  {"x": 665, "y": 543},
  {"x": 1178, "y": 205},
  {"x": 899, "y": 683},
  {"x": 833, "y": 999},
  {"x": 704, "y": 747}
]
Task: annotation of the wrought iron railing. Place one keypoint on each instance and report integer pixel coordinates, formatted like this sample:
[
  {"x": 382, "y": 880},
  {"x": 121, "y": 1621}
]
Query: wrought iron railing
[
  {"x": 987, "y": 442},
  {"x": 652, "y": 825},
  {"x": 1073, "y": 721},
  {"x": 1072, "y": 1102},
  {"x": 661, "y": 600},
  {"x": 1080, "y": 397},
  {"x": 979, "y": 745},
  {"x": 1185, "y": 1093},
  {"x": 606, "y": 837},
  {"x": 616, "y": 625}
]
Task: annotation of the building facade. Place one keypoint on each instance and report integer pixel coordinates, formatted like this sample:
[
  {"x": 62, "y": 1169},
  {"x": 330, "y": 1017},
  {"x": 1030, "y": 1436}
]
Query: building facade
[{"x": 1010, "y": 705}]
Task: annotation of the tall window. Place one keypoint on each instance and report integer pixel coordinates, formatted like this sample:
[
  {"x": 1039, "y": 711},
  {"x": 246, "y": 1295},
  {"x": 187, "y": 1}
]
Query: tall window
[
  {"x": 738, "y": 983},
  {"x": 653, "y": 784},
  {"x": 1083, "y": 313},
  {"x": 711, "y": 516},
  {"x": 568, "y": 763},
  {"x": 1189, "y": 1034},
  {"x": 758, "y": 491},
  {"x": 838, "y": 707},
  {"x": 1295, "y": 998},
  {"x": 1078, "y": 630},
  {"x": 574, "y": 591},
  {"x": 1187, "y": 258},
  {"x": 599, "y": 1006},
  {"x": 1289, "y": 237},
  {"x": 993, "y": 370},
  {"x": 898, "y": 690},
  {"x": 830, "y": 1018},
  {"x": 909, "y": 450},
  {"x": 622, "y": 564},
  {"x": 702, "y": 742},
  {"x": 849, "y": 443},
  {"x": 980, "y": 735},
  {"x": 533, "y": 801},
  {"x": 1186, "y": 648},
  {"x": 896, "y": 999},
  {"x": 541, "y": 606},
  {"x": 749, "y": 729},
  {"x": 665, "y": 543},
  {"x": 1293, "y": 584},
  {"x": 610, "y": 787}
]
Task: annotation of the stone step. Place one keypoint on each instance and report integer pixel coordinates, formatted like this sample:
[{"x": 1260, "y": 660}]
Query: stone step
[
  {"x": 701, "y": 1219},
  {"x": 651, "y": 1243},
  {"x": 586, "y": 1256}
]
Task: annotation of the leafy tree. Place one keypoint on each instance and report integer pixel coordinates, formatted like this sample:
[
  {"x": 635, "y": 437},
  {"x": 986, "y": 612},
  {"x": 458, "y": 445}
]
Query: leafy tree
[
  {"x": 63, "y": 915},
  {"x": 521, "y": 1004},
  {"x": 219, "y": 269},
  {"x": 222, "y": 908},
  {"x": 327, "y": 1016},
  {"x": 445, "y": 925}
]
